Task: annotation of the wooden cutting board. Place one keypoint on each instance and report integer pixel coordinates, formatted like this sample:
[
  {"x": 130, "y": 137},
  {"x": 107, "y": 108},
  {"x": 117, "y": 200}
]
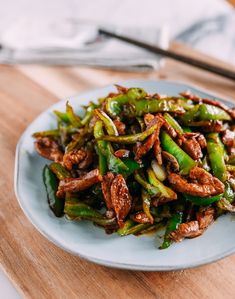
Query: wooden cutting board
[{"x": 38, "y": 268}]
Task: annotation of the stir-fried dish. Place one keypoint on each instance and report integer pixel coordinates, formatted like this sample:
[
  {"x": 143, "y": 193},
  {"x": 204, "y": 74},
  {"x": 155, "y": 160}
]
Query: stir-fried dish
[{"x": 137, "y": 162}]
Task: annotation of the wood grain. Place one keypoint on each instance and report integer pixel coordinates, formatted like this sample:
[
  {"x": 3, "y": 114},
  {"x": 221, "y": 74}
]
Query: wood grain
[{"x": 38, "y": 268}]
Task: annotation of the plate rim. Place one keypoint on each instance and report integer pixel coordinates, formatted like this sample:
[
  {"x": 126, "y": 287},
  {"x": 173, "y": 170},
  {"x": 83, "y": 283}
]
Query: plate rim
[{"x": 106, "y": 262}]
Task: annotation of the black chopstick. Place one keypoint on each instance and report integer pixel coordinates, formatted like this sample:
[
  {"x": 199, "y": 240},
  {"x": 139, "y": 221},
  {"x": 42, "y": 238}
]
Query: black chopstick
[{"x": 185, "y": 59}]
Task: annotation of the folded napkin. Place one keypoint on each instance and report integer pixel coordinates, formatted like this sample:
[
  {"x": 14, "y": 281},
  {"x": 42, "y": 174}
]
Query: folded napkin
[{"x": 69, "y": 42}]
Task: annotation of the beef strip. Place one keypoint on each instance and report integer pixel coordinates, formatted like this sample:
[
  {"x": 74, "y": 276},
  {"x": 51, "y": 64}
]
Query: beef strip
[
  {"x": 121, "y": 198},
  {"x": 192, "y": 144},
  {"x": 186, "y": 230},
  {"x": 142, "y": 148},
  {"x": 205, "y": 217},
  {"x": 195, "y": 228},
  {"x": 121, "y": 89},
  {"x": 228, "y": 139},
  {"x": 172, "y": 163},
  {"x": 49, "y": 148},
  {"x": 122, "y": 153},
  {"x": 82, "y": 158},
  {"x": 78, "y": 184},
  {"x": 200, "y": 183},
  {"x": 106, "y": 189},
  {"x": 121, "y": 127}
]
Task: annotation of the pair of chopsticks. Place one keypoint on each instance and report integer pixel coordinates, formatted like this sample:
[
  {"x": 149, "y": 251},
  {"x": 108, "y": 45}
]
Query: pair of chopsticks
[{"x": 179, "y": 57}]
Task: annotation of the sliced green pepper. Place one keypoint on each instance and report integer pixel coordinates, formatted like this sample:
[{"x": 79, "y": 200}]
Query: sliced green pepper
[
  {"x": 216, "y": 156},
  {"x": 172, "y": 225},
  {"x": 51, "y": 183},
  {"x": 156, "y": 105},
  {"x": 141, "y": 123},
  {"x": 114, "y": 163},
  {"x": 164, "y": 190},
  {"x": 101, "y": 147},
  {"x": 82, "y": 211},
  {"x": 130, "y": 139},
  {"x": 108, "y": 123},
  {"x": 59, "y": 171},
  {"x": 130, "y": 230},
  {"x": 89, "y": 113},
  {"x": 203, "y": 201},
  {"x": 210, "y": 112},
  {"x": 49, "y": 133},
  {"x": 205, "y": 112},
  {"x": 175, "y": 125},
  {"x": 122, "y": 231},
  {"x": 152, "y": 190},
  {"x": 184, "y": 160},
  {"x": 132, "y": 165},
  {"x": 114, "y": 105},
  {"x": 151, "y": 229},
  {"x": 136, "y": 98},
  {"x": 229, "y": 193},
  {"x": 136, "y": 93},
  {"x": 62, "y": 116},
  {"x": 73, "y": 118}
]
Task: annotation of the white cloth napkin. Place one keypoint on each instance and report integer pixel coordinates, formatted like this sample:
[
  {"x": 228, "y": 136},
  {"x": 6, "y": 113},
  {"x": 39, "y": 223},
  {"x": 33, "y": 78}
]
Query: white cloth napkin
[{"x": 69, "y": 42}]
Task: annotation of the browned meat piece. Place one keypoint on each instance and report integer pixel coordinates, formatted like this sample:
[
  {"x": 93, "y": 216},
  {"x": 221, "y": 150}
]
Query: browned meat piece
[
  {"x": 158, "y": 151},
  {"x": 172, "y": 163},
  {"x": 148, "y": 117},
  {"x": 192, "y": 143},
  {"x": 121, "y": 89},
  {"x": 142, "y": 148},
  {"x": 78, "y": 184},
  {"x": 187, "y": 95},
  {"x": 86, "y": 162},
  {"x": 106, "y": 189},
  {"x": 156, "y": 96},
  {"x": 202, "y": 141},
  {"x": 110, "y": 214},
  {"x": 193, "y": 229},
  {"x": 121, "y": 127},
  {"x": 49, "y": 148},
  {"x": 140, "y": 217},
  {"x": 208, "y": 126},
  {"x": 82, "y": 158},
  {"x": 200, "y": 183},
  {"x": 122, "y": 153},
  {"x": 197, "y": 99},
  {"x": 212, "y": 126},
  {"x": 205, "y": 217},
  {"x": 186, "y": 230},
  {"x": 121, "y": 198},
  {"x": 229, "y": 140},
  {"x": 192, "y": 147},
  {"x": 171, "y": 131}
]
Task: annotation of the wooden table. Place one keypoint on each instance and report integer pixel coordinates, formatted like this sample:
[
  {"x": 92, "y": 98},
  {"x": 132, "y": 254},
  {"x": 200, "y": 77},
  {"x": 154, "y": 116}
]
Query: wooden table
[{"x": 38, "y": 268}]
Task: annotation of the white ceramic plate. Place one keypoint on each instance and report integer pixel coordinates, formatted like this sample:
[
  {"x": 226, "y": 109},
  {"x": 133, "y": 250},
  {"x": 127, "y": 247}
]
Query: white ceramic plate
[{"x": 87, "y": 241}]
